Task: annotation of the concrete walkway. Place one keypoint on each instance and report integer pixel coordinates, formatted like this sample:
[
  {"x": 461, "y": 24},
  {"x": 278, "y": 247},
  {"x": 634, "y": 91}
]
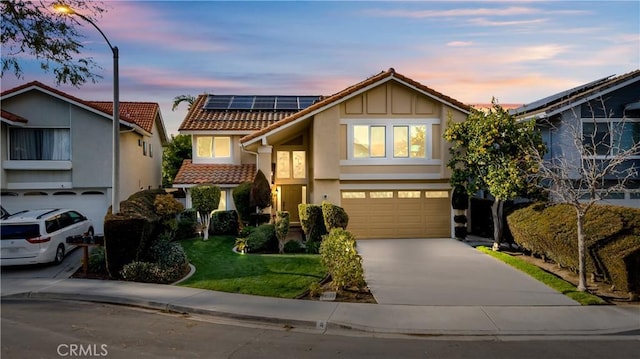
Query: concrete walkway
[
  {"x": 334, "y": 318},
  {"x": 446, "y": 272}
]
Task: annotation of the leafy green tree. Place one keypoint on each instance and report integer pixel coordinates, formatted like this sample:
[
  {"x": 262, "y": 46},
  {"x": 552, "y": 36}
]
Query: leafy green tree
[
  {"x": 36, "y": 29},
  {"x": 178, "y": 149},
  {"x": 205, "y": 199},
  {"x": 182, "y": 98},
  {"x": 490, "y": 151}
]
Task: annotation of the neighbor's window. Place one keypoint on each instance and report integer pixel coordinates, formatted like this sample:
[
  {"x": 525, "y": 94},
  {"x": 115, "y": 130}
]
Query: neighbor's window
[
  {"x": 213, "y": 147},
  {"x": 369, "y": 141},
  {"x": 44, "y": 144},
  {"x": 610, "y": 138},
  {"x": 409, "y": 141}
]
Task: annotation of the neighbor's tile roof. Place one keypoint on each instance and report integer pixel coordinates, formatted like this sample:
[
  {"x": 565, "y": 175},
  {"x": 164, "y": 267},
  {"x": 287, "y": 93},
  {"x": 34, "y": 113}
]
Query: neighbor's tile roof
[
  {"x": 139, "y": 113},
  {"x": 350, "y": 90},
  {"x": 142, "y": 114},
  {"x": 13, "y": 117},
  {"x": 228, "y": 120},
  {"x": 200, "y": 173}
]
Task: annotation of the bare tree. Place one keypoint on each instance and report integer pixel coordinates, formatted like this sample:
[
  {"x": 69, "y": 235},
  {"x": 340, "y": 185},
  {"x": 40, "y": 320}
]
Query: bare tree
[{"x": 595, "y": 162}]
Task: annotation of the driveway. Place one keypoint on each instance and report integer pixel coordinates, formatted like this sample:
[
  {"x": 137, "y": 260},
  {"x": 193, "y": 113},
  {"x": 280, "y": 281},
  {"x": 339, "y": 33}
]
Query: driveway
[
  {"x": 72, "y": 261},
  {"x": 446, "y": 272}
]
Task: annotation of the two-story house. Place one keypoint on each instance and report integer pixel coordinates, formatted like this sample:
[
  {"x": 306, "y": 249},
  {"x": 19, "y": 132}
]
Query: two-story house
[
  {"x": 374, "y": 148},
  {"x": 606, "y": 112},
  {"x": 57, "y": 150}
]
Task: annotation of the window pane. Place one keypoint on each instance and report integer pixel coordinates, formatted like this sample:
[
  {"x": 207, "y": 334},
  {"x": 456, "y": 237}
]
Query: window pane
[
  {"x": 222, "y": 206},
  {"x": 283, "y": 168},
  {"x": 436, "y": 194},
  {"x": 381, "y": 194},
  {"x": 348, "y": 195},
  {"x": 595, "y": 138},
  {"x": 222, "y": 147},
  {"x": 627, "y": 134},
  {"x": 40, "y": 144},
  {"x": 205, "y": 146},
  {"x": 400, "y": 141},
  {"x": 360, "y": 141},
  {"x": 418, "y": 142},
  {"x": 299, "y": 164},
  {"x": 378, "y": 143},
  {"x": 408, "y": 194}
]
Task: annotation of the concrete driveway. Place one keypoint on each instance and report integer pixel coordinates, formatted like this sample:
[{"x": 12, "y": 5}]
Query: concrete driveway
[
  {"x": 72, "y": 261},
  {"x": 443, "y": 271}
]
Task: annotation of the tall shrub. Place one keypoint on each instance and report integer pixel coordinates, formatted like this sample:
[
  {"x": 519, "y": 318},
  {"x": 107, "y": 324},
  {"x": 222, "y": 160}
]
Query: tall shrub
[
  {"x": 242, "y": 199},
  {"x": 282, "y": 229},
  {"x": 334, "y": 216},
  {"x": 339, "y": 255},
  {"x": 312, "y": 222}
]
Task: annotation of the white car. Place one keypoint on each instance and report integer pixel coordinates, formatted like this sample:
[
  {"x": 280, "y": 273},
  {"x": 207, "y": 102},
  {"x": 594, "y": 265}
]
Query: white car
[{"x": 40, "y": 236}]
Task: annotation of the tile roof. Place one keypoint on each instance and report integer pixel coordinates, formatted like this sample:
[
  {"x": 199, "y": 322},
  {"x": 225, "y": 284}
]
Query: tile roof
[
  {"x": 228, "y": 120},
  {"x": 139, "y": 113},
  {"x": 142, "y": 114},
  {"x": 391, "y": 73},
  {"x": 13, "y": 117},
  {"x": 201, "y": 173}
]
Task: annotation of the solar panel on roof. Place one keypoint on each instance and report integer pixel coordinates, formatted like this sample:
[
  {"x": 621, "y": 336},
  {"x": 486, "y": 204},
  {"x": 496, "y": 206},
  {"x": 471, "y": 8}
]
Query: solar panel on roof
[
  {"x": 287, "y": 103},
  {"x": 264, "y": 103},
  {"x": 241, "y": 103},
  {"x": 259, "y": 103}
]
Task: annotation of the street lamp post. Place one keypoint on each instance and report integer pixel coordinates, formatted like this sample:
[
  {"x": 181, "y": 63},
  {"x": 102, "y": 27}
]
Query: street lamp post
[{"x": 115, "y": 181}]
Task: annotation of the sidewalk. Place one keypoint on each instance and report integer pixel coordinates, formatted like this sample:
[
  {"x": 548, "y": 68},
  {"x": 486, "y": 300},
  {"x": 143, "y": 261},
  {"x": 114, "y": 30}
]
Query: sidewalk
[{"x": 330, "y": 317}]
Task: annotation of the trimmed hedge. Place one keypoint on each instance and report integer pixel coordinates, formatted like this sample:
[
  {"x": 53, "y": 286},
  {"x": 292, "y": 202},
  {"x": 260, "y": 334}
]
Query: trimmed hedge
[
  {"x": 224, "y": 222},
  {"x": 339, "y": 255},
  {"x": 263, "y": 239},
  {"x": 312, "y": 222},
  {"x": 334, "y": 216},
  {"x": 612, "y": 239}
]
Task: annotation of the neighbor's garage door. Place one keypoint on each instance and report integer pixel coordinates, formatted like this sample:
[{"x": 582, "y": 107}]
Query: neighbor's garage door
[
  {"x": 91, "y": 203},
  {"x": 398, "y": 214}
]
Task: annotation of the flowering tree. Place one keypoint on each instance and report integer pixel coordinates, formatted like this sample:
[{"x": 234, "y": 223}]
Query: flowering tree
[{"x": 490, "y": 151}]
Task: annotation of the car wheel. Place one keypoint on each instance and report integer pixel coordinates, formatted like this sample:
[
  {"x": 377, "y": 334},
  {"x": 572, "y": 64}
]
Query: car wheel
[{"x": 59, "y": 254}]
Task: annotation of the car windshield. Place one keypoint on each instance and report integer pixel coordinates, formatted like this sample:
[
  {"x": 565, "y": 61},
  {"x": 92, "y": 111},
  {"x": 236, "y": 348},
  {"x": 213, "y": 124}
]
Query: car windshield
[{"x": 19, "y": 231}]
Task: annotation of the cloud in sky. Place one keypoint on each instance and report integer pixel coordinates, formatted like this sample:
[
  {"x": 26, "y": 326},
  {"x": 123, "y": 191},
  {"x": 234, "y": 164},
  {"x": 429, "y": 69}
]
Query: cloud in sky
[{"x": 471, "y": 51}]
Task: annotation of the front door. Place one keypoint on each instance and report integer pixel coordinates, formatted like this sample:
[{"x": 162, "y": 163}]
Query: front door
[{"x": 290, "y": 198}]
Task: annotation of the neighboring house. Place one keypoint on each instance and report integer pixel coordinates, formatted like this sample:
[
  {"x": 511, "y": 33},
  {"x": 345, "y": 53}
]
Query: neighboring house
[
  {"x": 374, "y": 148},
  {"x": 57, "y": 150},
  {"x": 607, "y": 102}
]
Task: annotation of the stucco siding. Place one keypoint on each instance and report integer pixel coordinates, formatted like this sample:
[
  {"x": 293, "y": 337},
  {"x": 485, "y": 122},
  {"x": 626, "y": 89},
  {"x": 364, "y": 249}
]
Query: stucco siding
[
  {"x": 327, "y": 146},
  {"x": 91, "y": 149}
]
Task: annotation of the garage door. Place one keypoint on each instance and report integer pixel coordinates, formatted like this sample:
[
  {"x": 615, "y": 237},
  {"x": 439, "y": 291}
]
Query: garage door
[
  {"x": 398, "y": 213},
  {"x": 91, "y": 203}
]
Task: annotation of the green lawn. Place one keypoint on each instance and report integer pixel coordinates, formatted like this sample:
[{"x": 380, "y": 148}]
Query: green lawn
[
  {"x": 545, "y": 277},
  {"x": 273, "y": 275}
]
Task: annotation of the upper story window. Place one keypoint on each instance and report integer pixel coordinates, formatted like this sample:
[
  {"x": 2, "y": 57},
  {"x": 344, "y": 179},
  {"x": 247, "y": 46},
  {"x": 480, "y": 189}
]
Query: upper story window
[
  {"x": 291, "y": 165},
  {"x": 389, "y": 141},
  {"x": 213, "y": 147},
  {"x": 609, "y": 137},
  {"x": 40, "y": 144}
]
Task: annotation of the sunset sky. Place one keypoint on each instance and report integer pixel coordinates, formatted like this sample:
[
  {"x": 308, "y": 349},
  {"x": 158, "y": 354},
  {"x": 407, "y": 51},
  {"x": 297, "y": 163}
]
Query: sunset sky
[{"x": 517, "y": 52}]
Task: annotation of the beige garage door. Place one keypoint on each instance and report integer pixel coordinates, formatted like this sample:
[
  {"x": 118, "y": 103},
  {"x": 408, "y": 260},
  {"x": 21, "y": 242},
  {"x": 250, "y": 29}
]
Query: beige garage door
[{"x": 398, "y": 214}]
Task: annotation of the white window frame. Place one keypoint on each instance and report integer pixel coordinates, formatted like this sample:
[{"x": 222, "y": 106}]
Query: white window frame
[
  {"x": 389, "y": 158},
  {"x": 213, "y": 158}
]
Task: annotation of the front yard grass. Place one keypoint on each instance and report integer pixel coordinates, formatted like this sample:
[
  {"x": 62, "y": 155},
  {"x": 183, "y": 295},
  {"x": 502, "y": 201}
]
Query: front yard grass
[
  {"x": 272, "y": 275},
  {"x": 545, "y": 277}
]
